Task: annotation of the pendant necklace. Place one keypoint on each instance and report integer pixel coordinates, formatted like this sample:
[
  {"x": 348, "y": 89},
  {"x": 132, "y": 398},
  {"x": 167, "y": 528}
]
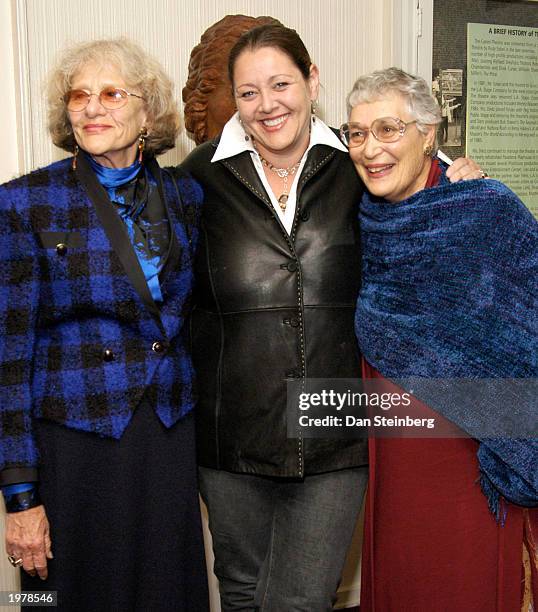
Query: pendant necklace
[{"x": 282, "y": 173}]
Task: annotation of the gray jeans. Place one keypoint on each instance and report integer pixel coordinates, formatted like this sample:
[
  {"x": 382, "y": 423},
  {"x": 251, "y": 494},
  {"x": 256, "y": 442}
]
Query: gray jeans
[{"x": 280, "y": 544}]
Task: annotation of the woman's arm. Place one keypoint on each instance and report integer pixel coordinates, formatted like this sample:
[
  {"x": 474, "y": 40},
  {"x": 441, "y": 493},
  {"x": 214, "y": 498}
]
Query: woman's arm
[
  {"x": 26, "y": 530},
  {"x": 19, "y": 301}
]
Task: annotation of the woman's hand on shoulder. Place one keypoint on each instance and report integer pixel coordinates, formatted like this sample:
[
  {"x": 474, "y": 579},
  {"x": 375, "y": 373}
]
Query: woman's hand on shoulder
[
  {"x": 28, "y": 538},
  {"x": 464, "y": 169}
]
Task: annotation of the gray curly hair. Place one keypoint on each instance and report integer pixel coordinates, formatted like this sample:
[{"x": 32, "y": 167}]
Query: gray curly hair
[
  {"x": 138, "y": 69},
  {"x": 420, "y": 101}
]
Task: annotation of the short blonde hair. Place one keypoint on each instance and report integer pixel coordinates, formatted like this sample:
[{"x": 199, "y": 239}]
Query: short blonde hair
[{"x": 139, "y": 70}]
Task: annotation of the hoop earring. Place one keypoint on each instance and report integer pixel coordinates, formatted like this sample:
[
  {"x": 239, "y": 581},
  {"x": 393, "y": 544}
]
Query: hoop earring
[
  {"x": 428, "y": 149},
  {"x": 142, "y": 143},
  {"x": 74, "y": 160}
]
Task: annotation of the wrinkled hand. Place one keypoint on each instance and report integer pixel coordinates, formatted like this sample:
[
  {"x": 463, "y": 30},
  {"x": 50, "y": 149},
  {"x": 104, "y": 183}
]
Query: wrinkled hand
[
  {"x": 28, "y": 538},
  {"x": 464, "y": 169}
]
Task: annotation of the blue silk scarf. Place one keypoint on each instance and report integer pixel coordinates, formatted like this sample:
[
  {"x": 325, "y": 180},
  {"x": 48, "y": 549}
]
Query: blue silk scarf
[
  {"x": 450, "y": 291},
  {"x": 148, "y": 254}
]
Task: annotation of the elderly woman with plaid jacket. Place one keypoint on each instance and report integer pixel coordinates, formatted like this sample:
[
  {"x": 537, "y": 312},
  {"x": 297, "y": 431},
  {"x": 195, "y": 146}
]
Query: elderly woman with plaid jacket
[{"x": 95, "y": 378}]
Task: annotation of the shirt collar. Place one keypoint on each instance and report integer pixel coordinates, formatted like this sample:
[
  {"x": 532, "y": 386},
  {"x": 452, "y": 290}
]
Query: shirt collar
[{"x": 232, "y": 141}]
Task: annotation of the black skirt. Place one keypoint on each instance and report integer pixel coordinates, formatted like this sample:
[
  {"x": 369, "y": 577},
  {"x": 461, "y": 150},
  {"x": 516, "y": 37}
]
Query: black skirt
[{"x": 124, "y": 517}]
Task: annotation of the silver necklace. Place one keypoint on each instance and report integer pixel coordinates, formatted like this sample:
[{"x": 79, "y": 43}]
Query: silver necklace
[{"x": 282, "y": 173}]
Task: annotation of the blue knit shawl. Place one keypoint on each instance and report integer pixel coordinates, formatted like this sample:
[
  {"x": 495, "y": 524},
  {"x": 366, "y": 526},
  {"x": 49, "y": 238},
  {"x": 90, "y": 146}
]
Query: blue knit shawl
[{"x": 450, "y": 291}]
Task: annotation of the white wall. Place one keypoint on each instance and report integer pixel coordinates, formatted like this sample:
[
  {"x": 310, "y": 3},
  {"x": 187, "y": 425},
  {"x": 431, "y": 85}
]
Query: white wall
[
  {"x": 345, "y": 37},
  {"x": 9, "y": 164}
]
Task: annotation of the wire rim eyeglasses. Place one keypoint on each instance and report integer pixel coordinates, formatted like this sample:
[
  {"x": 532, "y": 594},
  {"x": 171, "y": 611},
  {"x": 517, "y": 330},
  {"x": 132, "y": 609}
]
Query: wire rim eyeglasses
[
  {"x": 384, "y": 129},
  {"x": 110, "y": 98}
]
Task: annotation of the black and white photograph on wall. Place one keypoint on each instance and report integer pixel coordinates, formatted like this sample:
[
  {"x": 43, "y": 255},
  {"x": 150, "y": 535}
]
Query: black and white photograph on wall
[{"x": 447, "y": 88}]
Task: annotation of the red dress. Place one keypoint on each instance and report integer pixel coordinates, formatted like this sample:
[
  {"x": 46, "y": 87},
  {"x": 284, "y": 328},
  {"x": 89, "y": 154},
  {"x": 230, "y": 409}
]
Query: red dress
[{"x": 431, "y": 543}]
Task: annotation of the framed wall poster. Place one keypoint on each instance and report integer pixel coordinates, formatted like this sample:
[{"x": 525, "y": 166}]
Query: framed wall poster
[{"x": 499, "y": 129}]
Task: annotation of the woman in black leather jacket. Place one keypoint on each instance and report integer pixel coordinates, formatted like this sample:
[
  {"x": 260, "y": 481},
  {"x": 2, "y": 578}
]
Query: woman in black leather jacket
[{"x": 278, "y": 273}]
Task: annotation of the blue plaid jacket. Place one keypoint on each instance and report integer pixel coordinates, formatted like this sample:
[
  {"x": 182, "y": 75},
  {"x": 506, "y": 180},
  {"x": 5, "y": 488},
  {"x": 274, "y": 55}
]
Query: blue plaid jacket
[{"x": 81, "y": 339}]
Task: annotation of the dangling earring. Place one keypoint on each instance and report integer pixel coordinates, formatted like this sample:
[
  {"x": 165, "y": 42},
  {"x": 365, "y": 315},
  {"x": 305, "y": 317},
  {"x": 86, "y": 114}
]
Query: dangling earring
[
  {"x": 313, "y": 110},
  {"x": 247, "y": 137},
  {"x": 142, "y": 143},
  {"x": 74, "y": 160},
  {"x": 428, "y": 150}
]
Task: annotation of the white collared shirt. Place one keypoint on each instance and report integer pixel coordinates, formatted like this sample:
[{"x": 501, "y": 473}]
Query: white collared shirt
[{"x": 234, "y": 141}]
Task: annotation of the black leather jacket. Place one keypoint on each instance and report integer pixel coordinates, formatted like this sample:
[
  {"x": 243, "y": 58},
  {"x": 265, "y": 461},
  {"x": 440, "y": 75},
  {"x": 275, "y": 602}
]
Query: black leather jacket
[{"x": 270, "y": 307}]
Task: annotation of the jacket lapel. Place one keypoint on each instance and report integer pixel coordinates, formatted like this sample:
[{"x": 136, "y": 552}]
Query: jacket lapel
[
  {"x": 172, "y": 259},
  {"x": 116, "y": 233},
  {"x": 242, "y": 168},
  {"x": 317, "y": 157}
]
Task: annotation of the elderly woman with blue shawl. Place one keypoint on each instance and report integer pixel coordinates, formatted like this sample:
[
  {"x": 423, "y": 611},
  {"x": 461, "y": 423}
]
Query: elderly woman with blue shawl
[{"x": 448, "y": 308}]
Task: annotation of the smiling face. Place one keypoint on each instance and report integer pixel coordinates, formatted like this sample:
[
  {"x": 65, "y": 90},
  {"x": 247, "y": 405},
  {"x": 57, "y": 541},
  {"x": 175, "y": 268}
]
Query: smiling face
[
  {"x": 394, "y": 170},
  {"x": 274, "y": 101},
  {"x": 109, "y": 136}
]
